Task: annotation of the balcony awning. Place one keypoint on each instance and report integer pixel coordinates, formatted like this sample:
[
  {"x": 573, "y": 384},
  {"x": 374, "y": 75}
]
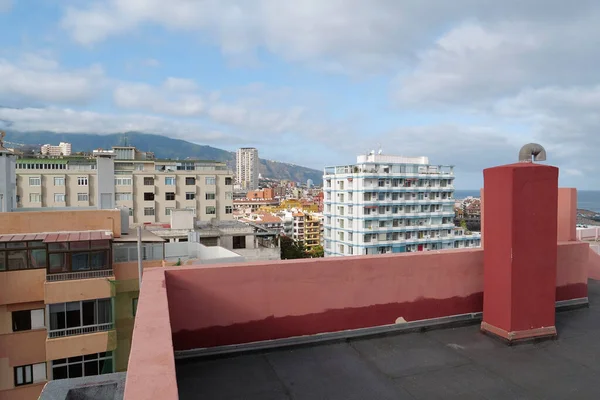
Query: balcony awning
[{"x": 58, "y": 236}]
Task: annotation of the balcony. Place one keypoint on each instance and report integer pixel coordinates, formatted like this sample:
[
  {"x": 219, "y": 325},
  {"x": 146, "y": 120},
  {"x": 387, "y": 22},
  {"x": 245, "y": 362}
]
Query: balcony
[
  {"x": 81, "y": 330},
  {"x": 106, "y": 273},
  {"x": 77, "y": 345}
]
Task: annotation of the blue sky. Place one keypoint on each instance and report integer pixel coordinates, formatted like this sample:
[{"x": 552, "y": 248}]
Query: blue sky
[{"x": 315, "y": 82}]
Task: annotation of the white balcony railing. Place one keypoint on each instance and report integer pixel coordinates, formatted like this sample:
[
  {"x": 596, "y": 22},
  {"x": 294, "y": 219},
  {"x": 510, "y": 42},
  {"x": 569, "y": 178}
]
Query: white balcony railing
[
  {"x": 80, "y": 330},
  {"x": 68, "y": 276}
]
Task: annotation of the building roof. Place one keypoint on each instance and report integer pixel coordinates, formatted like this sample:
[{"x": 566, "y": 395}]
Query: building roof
[
  {"x": 455, "y": 363},
  {"x": 55, "y": 237}
]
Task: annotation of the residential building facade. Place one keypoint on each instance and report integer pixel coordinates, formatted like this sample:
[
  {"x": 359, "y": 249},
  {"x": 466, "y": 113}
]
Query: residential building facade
[
  {"x": 63, "y": 149},
  {"x": 246, "y": 164},
  {"x": 150, "y": 188},
  {"x": 68, "y": 296},
  {"x": 390, "y": 204}
]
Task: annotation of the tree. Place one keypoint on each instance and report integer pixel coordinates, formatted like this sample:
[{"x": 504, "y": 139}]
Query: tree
[
  {"x": 317, "y": 252},
  {"x": 463, "y": 224},
  {"x": 290, "y": 249}
]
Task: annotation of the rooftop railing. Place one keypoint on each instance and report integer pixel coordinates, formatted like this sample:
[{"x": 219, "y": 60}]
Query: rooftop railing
[{"x": 80, "y": 330}]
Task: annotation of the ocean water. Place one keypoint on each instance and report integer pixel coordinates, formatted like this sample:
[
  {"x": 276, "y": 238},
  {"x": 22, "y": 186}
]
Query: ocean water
[{"x": 586, "y": 199}]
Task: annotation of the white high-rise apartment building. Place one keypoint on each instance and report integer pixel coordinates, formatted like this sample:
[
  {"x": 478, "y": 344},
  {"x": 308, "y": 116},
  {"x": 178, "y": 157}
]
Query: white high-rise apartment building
[
  {"x": 63, "y": 149},
  {"x": 246, "y": 164},
  {"x": 390, "y": 204}
]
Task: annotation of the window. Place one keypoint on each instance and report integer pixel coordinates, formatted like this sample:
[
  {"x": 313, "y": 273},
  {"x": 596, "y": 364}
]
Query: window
[
  {"x": 82, "y": 197},
  {"x": 59, "y": 181},
  {"x": 82, "y": 180},
  {"x": 123, "y": 181},
  {"x": 228, "y": 181},
  {"x": 22, "y": 255},
  {"x": 170, "y": 180},
  {"x": 211, "y": 210},
  {"x": 149, "y": 181},
  {"x": 148, "y": 211},
  {"x": 68, "y": 318},
  {"x": 239, "y": 242},
  {"x": 170, "y": 196},
  {"x": 210, "y": 196},
  {"x": 59, "y": 197},
  {"x": 35, "y": 197},
  {"x": 28, "y": 374},
  {"x": 37, "y": 181},
  {"x": 134, "y": 303},
  {"x": 228, "y": 210},
  {"x": 80, "y": 366},
  {"x": 27, "y": 319},
  {"x": 148, "y": 196},
  {"x": 78, "y": 256},
  {"x": 168, "y": 210},
  {"x": 229, "y": 195},
  {"x": 190, "y": 196},
  {"x": 210, "y": 180},
  {"x": 190, "y": 180},
  {"x": 123, "y": 196}
]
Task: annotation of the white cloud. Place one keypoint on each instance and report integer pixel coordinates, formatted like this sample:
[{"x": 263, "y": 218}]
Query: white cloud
[
  {"x": 72, "y": 121},
  {"x": 38, "y": 82}
]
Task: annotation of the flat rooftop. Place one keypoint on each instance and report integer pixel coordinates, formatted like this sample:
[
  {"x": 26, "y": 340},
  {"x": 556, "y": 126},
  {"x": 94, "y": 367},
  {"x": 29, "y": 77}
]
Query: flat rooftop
[{"x": 453, "y": 363}]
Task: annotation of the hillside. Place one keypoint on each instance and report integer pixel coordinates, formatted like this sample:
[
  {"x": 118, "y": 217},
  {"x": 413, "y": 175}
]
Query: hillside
[{"x": 164, "y": 147}]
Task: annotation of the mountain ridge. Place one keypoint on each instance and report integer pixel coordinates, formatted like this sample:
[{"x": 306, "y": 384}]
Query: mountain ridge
[{"x": 162, "y": 147}]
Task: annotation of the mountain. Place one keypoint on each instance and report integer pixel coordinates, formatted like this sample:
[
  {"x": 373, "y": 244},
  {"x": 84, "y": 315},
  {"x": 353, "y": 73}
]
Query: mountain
[{"x": 163, "y": 147}]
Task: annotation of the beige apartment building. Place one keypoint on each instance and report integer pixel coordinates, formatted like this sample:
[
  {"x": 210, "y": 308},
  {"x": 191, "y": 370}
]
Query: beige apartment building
[{"x": 150, "y": 188}]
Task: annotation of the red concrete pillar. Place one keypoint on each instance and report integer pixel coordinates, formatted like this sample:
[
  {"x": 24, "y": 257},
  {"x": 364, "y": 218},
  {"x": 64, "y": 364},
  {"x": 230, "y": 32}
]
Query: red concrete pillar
[{"x": 520, "y": 251}]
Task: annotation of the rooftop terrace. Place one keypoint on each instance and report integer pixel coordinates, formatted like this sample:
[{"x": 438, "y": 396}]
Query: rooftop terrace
[{"x": 452, "y": 363}]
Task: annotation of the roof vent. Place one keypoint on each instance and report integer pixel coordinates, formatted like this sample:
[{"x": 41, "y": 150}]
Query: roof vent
[{"x": 532, "y": 150}]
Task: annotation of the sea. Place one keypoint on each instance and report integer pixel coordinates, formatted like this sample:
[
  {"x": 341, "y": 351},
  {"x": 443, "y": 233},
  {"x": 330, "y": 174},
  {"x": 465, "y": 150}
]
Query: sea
[{"x": 586, "y": 199}]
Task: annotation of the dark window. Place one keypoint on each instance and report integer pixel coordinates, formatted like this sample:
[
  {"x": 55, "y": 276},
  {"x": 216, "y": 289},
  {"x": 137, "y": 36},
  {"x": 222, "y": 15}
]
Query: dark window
[
  {"x": 149, "y": 181},
  {"x": 21, "y": 320},
  {"x": 73, "y": 314},
  {"x": 88, "y": 309},
  {"x": 60, "y": 372},
  {"x": 228, "y": 181},
  {"x": 2, "y": 261},
  {"x": 239, "y": 242},
  {"x": 58, "y": 263},
  {"x": 169, "y": 196},
  {"x": 190, "y": 196},
  {"x": 17, "y": 259},
  {"x": 148, "y": 196},
  {"x": 190, "y": 181}
]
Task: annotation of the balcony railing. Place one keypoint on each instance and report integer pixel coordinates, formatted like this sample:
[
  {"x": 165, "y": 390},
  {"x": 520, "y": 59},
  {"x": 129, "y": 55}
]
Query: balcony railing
[
  {"x": 80, "y": 330},
  {"x": 68, "y": 276}
]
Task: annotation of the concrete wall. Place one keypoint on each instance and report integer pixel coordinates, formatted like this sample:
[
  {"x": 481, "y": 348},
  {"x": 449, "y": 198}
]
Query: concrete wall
[
  {"x": 105, "y": 185},
  {"x": 61, "y": 221},
  {"x": 300, "y": 297},
  {"x": 216, "y": 255}
]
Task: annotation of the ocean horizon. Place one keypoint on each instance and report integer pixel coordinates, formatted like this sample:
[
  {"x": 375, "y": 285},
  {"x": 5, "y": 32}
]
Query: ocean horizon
[{"x": 586, "y": 199}]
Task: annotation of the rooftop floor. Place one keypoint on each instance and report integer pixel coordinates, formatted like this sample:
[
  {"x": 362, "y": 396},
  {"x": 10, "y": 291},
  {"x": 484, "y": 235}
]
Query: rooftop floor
[{"x": 455, "y": 363}]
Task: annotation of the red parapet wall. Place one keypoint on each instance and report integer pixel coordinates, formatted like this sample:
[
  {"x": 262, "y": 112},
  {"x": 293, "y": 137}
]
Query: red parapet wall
[{"x": 223, "y": 305}]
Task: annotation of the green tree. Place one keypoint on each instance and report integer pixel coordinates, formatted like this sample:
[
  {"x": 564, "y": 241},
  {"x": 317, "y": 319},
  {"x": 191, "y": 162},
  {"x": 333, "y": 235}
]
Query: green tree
[
  {"x": 317, "y": 252},
  {"x": 463, "y": 224},
  {"x": 291, "y": 250}
]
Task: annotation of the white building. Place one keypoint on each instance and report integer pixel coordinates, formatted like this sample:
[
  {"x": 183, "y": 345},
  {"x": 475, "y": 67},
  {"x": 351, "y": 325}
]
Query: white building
[
  {"x": 390, "y": 204},
  {"x": 246, "y": 164},
  {"x": 63, "y": 149}
]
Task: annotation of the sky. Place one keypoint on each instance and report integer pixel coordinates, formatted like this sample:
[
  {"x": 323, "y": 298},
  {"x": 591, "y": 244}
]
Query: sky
[{"x": 316, "y": 82}]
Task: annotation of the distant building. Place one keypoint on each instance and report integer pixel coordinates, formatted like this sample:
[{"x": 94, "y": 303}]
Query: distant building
[
  {"x": 309, "y": 183},
  {"x": 150, "y": 188},
  {"x": 246, "y": 164},
  {"x": 63, "y": 149},
  {"x": 390, "y": 204}
]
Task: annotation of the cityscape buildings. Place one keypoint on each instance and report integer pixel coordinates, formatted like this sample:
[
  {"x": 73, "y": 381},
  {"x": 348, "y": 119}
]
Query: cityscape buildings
[
  {"x": 390, "y": 204},
  {"x": 246, "y": 164},
  {"x": 150, "y": 188},
  {"x": 63, "y": 149}
]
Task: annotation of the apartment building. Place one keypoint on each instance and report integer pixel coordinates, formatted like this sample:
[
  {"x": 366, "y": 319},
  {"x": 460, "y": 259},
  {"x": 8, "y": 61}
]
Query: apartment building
[
  {"x": 68, "y": 296},
  {"x": 390, "y": 204},
  {"x": 150, "y": 188},
  {"x": 63, "y": 149},
  {"x": 246, "y": 164}
]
